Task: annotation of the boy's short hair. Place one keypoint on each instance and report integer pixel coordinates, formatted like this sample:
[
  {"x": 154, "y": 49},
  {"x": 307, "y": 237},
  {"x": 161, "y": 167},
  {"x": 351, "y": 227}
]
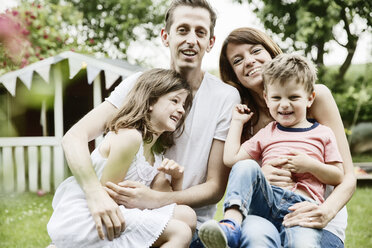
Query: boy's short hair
[
  {"x": 285, "y": 67},
  {"x": 194, "y": 4}
]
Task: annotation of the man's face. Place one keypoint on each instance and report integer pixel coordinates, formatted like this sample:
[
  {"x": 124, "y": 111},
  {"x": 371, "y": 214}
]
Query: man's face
[{"x": 188, "y": 38}]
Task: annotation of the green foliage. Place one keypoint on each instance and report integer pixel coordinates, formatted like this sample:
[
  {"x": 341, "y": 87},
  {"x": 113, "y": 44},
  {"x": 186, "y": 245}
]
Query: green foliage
[
  {"x": 36, "y": 30},
  {"x": 119, "y": 22},
  {"x": 309, "y": 25},
  {"x": 353, "y": 96}
]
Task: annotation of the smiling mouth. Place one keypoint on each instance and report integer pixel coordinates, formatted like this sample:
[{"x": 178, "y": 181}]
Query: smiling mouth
[
  {"x": 174, "y": 118},
  {"x": 286, "y": 112},
  {"x": 188, "y": 53},
  {"x": 253, "y": 71}
]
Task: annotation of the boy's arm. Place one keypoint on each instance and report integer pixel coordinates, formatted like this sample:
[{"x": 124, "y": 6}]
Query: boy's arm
[
  {"x": 327, "y": 173},
  {"x": 123, "y": 148},
  {"x": 325, "y": 111},
  {"x": 233, "y": 152}
]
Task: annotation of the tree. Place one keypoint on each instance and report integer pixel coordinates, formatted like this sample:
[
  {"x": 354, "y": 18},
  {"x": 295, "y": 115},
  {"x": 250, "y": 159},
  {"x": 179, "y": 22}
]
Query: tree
[
  {"x": 32, "y": 32},
  {"x": 310, "y": 24},
  {"x": 114, "y": 24}
]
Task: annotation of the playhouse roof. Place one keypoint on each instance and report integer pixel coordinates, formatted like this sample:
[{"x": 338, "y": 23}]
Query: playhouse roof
[{"x": 113, "y": 70}]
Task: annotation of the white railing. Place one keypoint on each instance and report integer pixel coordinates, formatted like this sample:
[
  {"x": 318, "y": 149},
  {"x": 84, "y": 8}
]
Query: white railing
[{"x": 30, "y": 164}]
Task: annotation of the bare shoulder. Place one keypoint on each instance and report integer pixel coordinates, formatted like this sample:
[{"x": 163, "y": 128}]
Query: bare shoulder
[
  {"x": 128, "y": 135},
  {"x": 322, "y": 92}
]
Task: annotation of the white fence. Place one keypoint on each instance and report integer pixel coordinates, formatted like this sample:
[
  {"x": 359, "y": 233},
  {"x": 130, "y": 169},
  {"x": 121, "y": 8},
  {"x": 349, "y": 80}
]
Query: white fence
[{"x": 30, "y": 164}]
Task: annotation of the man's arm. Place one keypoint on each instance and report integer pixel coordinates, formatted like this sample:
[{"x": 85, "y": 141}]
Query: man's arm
[
  {"x": 75, "y": 146},
  {"x": 133, "y": 194}
]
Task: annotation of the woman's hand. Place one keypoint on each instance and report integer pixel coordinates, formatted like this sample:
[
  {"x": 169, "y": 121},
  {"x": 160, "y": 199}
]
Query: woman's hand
[
  {"x": 277, "y": 174},
  {"x": 308, "y": 214}
]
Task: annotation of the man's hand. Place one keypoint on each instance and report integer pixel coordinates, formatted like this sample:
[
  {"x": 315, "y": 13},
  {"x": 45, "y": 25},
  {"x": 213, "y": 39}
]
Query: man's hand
[
  {"x": 105, "y": 210},
  {"x": 308, "y": 214},
  {"x": 133, "y": 194},
  {"x": 276, "y": 173}
]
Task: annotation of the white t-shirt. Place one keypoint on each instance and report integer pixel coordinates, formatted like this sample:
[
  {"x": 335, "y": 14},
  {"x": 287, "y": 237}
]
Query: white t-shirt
[
  {"x": 208, "y": 119},
  {"x": 338, "y": 224}
]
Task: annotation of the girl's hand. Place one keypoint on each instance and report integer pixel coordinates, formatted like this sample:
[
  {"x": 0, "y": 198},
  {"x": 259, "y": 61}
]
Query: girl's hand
[
  {"x": 171, "y": 168},
  {"x": 299, "y": 162},
  {"x": 241, "y": 113},
  {"x": 276, "y": 175},
  {"x": 308, "y": 214}
]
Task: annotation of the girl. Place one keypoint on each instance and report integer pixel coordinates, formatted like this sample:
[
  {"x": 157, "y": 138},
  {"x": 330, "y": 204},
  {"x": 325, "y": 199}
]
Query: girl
[{"x": 132, "y": 150}]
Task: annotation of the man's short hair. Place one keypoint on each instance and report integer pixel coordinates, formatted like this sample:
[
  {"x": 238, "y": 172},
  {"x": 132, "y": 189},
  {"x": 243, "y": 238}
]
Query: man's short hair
[
  {"x": 286, "y": 67},
  {"x": 194, "y": 4}
]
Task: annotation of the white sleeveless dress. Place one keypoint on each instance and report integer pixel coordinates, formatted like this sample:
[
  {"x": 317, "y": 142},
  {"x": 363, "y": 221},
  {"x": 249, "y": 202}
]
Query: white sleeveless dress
[{"x": 71, "y": 224}]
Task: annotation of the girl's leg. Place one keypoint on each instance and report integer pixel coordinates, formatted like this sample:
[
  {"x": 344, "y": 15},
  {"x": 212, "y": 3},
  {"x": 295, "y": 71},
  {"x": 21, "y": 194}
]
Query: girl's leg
[{"x": 179, "y": 230}]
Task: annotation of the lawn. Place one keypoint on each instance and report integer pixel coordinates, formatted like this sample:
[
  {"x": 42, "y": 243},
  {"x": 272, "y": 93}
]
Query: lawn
[{"x": 23, "y": 219}]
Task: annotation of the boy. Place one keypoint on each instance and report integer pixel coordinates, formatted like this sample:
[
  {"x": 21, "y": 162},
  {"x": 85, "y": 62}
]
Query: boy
[{"x": 310, "y": 149}]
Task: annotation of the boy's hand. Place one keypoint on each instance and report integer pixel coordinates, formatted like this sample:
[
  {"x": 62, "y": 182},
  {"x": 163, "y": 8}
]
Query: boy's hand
[
  {"x": 299, "y": 162},
  {"x": 171, "y": 168},
  {"x": 241, "y": 113}
]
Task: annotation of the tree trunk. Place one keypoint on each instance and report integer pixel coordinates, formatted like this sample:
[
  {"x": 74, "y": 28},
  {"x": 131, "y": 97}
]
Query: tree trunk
[{"x": 351, "y": 46}]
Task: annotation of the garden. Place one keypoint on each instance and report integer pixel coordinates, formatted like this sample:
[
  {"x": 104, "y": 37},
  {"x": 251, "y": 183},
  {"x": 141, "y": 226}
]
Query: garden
[{"x": 42, "y": 29}]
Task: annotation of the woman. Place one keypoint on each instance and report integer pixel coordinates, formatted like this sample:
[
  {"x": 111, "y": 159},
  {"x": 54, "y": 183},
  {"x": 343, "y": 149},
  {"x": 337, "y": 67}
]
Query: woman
[{"x": 243, "y": 53}]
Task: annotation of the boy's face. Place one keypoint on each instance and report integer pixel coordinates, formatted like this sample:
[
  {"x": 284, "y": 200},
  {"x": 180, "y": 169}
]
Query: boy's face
[
  {"x": 188, "y": 38},
  {"x": 288, "y": 103}
]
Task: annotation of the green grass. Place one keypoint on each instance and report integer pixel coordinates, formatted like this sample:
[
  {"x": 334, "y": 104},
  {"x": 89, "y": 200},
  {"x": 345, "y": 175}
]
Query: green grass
[{"x": 23, "y": 219}]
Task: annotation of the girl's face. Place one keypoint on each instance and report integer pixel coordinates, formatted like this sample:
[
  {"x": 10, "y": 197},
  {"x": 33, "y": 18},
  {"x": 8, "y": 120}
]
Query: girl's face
[
  {"x": 246, "y": 61},
  {"x": 168, "y": 111}
]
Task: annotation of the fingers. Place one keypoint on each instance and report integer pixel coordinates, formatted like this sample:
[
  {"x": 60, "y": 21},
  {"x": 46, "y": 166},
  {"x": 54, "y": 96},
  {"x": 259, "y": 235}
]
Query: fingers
[
  {"x": 305, "y": 214},
  {"x": 170, "y": 167},
  {"x": 99, "y": 228},
  {"x": 277, "y": 162}
]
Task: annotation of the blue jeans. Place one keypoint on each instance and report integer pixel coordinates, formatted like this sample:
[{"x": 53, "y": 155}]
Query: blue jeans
[{"x": 249, "y": 190}]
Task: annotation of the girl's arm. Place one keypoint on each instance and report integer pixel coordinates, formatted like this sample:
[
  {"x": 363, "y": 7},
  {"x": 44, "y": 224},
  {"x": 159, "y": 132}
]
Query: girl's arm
[
  {"x": 325, "y": 111},
  {"x": 233, "y": 152},
  {"x": 123, "y": 147}
]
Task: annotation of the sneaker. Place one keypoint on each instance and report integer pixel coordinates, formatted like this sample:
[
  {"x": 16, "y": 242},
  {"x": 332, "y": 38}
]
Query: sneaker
[{"x": 223, "y": 234}]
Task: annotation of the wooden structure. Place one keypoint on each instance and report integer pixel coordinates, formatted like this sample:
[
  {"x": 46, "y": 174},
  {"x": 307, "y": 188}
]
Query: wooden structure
[{"x": 33, "y": 163}]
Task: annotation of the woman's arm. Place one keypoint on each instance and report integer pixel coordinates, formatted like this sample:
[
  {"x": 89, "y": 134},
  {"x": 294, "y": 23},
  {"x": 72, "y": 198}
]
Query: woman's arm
[
  {"x": 123, "y": 147},
  {"x": 325, "y": 111}
]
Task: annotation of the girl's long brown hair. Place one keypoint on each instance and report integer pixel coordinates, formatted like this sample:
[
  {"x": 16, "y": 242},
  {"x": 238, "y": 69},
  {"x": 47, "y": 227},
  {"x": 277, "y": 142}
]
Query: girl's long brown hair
[{"x": 135, "y": 112}]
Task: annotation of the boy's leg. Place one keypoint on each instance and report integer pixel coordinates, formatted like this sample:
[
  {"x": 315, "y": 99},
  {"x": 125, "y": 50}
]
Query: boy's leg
[
  {"x": 330, "y": 240},
  {"x": 258, "y": 232},
  {"x": 246, "y": 182},
  {"x": 301, "y": 237}
]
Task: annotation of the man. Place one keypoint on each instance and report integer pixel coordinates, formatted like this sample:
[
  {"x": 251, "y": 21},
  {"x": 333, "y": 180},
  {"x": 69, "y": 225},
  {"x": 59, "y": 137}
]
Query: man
[{"x": 188, "y": 34}]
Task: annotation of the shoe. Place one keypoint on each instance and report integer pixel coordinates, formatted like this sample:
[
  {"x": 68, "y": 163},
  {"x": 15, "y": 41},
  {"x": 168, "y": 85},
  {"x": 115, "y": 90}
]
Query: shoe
[{"x": 223, "y": 234}]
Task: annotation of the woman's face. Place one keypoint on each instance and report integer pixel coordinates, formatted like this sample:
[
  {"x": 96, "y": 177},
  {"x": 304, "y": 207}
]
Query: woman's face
[{"x": 246, "y": 61}]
